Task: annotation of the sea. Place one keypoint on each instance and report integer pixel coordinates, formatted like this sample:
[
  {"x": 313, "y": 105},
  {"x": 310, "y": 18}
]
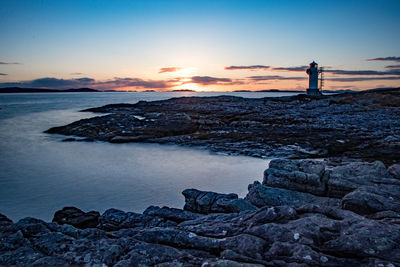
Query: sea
[{"x": 40, "y": 174}]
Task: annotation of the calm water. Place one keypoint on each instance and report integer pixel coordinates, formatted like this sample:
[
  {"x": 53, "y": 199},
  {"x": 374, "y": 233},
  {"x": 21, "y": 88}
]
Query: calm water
[{"x": 39, "y": 174}]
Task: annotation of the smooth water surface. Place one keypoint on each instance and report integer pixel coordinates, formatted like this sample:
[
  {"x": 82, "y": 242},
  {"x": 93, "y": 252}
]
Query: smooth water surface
[{"x": 40, "y": 174}]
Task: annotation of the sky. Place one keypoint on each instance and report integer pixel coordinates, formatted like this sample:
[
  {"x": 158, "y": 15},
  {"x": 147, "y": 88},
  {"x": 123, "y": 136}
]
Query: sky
[{"x": 200, "y": 45}]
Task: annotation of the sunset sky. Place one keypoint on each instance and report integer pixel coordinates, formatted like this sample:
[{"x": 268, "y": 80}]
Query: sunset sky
[{"x": 202, "y": 45}]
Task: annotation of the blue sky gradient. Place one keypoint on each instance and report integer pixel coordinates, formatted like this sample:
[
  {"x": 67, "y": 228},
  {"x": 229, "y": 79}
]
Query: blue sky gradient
[{"x": 103, "y": 40}]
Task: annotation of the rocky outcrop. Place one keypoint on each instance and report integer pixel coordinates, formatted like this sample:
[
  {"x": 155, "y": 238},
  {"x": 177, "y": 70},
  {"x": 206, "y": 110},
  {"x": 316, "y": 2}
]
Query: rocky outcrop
[
  {"x": 76, "y": 217},
  {"x": 4, "y": 218},
  {"x": 261, "y": 195},
  {"x": 394, "y": 170},
  {"x": 210, "y": 202},
  {"x": 362, "y": 125},
  {"x": 372, "y": 199},
  {"x": 309, "y": 235},
  {"x": 365, "y": 188},
  {"x": 293, "y": 219}
]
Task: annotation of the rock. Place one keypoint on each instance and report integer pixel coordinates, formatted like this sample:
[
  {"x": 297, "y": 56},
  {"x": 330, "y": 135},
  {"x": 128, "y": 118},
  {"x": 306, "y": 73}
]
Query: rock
[
  {"x": 172, "y": 214},
  {"x": 210, "y": 202},
  {"x": 297, "y": 126},
  {"x": 76, "y": 217},
  {"x": 270, "y": 236},
  {"x": 4, "y": 219},
  {"x": 372, "y": 199},
  {"x": 50, "y": 261},
  {"x": 228, "y": 263},
  {"x": 261, "y": 195},
  {"x": 347, "y": 178},
  {"x": 394, "y": 171},
  {"x": 317, "y": 178},
  {"x": 53, "y": 243},
  {"x": 32, "y": 227},
  {"x": 299, "y": 175},
  {"x": 111, "y": 219}
]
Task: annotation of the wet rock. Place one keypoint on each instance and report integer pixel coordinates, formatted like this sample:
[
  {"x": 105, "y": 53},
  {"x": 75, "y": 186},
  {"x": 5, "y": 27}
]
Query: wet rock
[
  {"x": 76, "y": 217},
  {"x": 211, "y": 202}
]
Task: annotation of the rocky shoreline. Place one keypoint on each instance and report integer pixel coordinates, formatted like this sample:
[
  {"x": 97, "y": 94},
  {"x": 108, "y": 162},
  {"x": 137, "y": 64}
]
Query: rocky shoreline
[
  {"x": 362, "y": 125},
  {"x": 304, "y": 213},
  {"x": 342, "y": 209}
]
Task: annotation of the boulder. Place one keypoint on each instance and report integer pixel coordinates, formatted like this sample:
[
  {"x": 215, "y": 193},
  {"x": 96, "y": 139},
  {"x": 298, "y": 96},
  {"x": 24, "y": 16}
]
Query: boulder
[
  {"x": 5, "y": 219},
  {"x": 372, "y": 199},
  {"x": 318, "y": 178},
  {"x": 210, "y": 202},
  {"x": 76, "y": 217},
  {"x": 298, "y": 175},
  {"x": 346, "y": 178},
  {"x": 176, "y": 215}
]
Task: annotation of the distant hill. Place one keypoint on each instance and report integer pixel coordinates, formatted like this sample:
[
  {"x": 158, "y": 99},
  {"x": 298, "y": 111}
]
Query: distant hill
[
  {"x": 40, "y": 90},
  {"x": 182, "y": 90},
  {"x": 269, "y": 91}
]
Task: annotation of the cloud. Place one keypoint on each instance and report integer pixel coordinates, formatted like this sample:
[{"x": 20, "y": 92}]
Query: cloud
[
  {"x": 3, "y": 74},
  {"x": 10, "y": 63},
  {"x": 136, "y": 82},
  {"x": 251, "y": 67},
  {"x": 393, "y": 67},
  {"x": 55, "y": 83},
  {"x": 275, "y": 77},
  {"x": 207, "y": 80},
  {"x": 76, "y": 73},
  {"x": 363, "y": 72},
  {"x": 361, "y": 79},
  {"x": 169, "y": 69},
  {"x": 292, "y": 69},
  {"x": 397, "y": 59}
]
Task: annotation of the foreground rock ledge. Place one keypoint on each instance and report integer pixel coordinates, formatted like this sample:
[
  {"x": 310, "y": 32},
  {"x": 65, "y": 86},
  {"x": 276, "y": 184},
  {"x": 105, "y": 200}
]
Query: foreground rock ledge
[
  {"x": 362, "y": 125},
  {"x": 292, "y": 219}
]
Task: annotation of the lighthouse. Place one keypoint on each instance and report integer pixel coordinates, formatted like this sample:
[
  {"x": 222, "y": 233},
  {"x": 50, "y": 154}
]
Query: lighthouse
[{"x": 313, "y": 72}]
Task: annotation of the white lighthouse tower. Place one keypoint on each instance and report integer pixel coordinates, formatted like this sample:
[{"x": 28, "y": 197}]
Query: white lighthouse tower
[{"x": 313, "y": 72}]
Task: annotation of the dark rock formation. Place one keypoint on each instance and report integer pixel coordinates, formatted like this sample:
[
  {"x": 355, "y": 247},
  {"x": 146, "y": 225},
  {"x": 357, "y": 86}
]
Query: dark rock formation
[
  {"x": 4, "y": 218},
  {"x": 372, "y": 199},
  {"x": 289, "y": 225},
  {"x": 308, "y": 235},
  {"x": 76, "y": 217},
  {"x": 210, "y": 202},
  {"x": 261, "y": 195},
  {"x": 394, "y": 170},
  {"x": 362, "y": 125}
]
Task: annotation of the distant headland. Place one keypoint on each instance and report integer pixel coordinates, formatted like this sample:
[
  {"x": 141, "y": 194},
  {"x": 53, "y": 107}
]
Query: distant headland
[{"x": 41, "y": 90}]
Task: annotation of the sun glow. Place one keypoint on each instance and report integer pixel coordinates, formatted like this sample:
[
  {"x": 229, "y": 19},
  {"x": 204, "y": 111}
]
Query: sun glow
[
  {"x": 190, "y": 86},
  {"x": 183, "y": 72}
]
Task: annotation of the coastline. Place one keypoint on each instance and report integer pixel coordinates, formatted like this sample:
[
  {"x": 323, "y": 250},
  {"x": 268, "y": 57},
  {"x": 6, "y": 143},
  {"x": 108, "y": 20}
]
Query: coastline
[
  {"x": 360, "y": 125},
  {"x": 342, "y": 209},
  {"x": 306, "y": 212}
]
